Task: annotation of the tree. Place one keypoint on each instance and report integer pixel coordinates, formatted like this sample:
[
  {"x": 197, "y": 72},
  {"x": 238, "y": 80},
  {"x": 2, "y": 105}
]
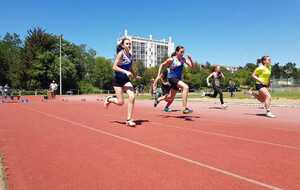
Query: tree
[
  {"x": 250, "y": 66},
  {"x": 289, "y": 70},
  {"x": 10, "y": 59},
  {"x": 4, "y": 66},
  {"x": 101, "y": 75},
  {"x": 276, "y": 71},
  {"x": 40, "y": 51}
]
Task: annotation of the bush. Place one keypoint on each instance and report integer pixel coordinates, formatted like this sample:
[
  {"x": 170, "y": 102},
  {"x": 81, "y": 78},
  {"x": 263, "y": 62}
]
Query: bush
[{"x": 87, "y": 88}]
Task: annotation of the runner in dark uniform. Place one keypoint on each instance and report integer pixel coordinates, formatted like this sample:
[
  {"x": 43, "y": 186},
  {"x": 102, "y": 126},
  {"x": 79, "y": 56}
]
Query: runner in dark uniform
[
  {"x": 175, "y": 65},
  {"x": 216, "y": 76},
  {"x": 166, "y": 88},
  {"x": 121, "y": 82}
]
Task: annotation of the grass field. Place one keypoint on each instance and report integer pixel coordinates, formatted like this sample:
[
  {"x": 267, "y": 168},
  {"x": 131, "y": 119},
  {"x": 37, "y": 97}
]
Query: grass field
[{"x": 240, "y": 95}]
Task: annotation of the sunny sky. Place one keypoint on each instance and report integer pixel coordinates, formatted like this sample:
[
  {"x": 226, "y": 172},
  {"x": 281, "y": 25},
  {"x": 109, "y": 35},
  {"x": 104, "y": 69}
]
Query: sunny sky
[{"x": 225, "y": 32}]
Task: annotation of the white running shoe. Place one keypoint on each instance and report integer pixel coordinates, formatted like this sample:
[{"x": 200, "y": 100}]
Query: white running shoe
[
  {"x": 130, "y": 123},
  {"x": 107, "y": 102},
  {"x": 270, "y": 114},
  {"x": 224, "y": 106}
]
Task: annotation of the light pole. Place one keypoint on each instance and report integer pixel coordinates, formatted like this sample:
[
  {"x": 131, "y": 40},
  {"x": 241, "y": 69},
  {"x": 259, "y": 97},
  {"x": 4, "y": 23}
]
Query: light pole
[{"x": 60, "y": 77}]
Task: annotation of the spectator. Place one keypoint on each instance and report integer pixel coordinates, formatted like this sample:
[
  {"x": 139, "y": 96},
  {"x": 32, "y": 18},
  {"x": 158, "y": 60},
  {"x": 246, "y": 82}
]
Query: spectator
[
  {"x": 231, "y": 88},
  {"x": 52, "y": 89},
  {"x": 1, "y": 91},
  {"x": 6, "y": 91}
]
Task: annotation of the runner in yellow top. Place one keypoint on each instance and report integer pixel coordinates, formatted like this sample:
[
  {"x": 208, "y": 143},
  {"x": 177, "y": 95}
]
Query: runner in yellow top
[
  {"x": 263, "y": 73},
  {"x": 262, "y": 76}
]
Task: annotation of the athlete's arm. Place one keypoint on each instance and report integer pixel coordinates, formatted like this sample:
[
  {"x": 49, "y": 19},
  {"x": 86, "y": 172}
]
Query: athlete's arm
[
  {"x": 155, "y": 83},
  {"x": 256, "y": 77},
  {"x": 165, "y": 63},
  {"x": 207, "y": 79},
  {"x": 222, "y": 75},
  {"x": 189, "y": 62}
]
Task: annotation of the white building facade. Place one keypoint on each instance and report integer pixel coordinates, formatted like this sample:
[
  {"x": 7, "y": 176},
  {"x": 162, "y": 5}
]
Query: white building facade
[{"x": 149, "y": 51}]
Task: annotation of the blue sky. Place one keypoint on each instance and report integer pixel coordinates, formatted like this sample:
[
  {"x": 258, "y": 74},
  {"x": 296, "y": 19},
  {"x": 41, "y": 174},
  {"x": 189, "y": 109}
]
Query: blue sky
[{"x": 225, "y": 32}]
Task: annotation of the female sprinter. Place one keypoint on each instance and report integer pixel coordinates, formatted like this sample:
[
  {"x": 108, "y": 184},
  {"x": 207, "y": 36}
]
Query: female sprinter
[
  {"x": 262, "y": 77},
  {"x": 166, "y": 88},
  {"x": 175, "y": 65},
  {"x": 216, "y": 76},
  {"x": 121, "y": 83}
]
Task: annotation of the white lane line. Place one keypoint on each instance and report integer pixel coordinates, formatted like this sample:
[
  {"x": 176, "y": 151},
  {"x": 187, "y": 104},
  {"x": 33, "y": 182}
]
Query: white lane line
[
  {"x": 229, "y": 136},
  {"x": 253, "y": 181},
  {"x": 223, "y": 135}
]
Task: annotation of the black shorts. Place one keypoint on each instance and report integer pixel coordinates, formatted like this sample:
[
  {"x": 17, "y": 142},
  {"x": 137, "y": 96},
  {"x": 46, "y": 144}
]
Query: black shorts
[
  {"x": 217, "y": 88},
  {"x": 120, "y": 82},
  {"x": 173, "y": 82},
  {"x": 259, "y": 86},
  {"x": 165, "y": 89}
]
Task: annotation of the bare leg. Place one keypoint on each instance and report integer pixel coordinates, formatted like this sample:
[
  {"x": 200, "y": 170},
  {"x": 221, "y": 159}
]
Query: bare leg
[
  {"x": 267, "y": 95},
  {"x": 162, "y": 98},
  {"x": 185, "y": 91},
  {"x": 119, "y": 100},
  {"x": 260, "y": 97},
  {"x": 131, "y": 98},
  {"x": 170, "y": 98}
]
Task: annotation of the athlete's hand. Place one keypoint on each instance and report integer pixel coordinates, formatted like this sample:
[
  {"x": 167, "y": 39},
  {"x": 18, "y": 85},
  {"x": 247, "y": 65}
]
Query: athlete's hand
[
  {"x": 208, "y": 84},
  {"x": 138, "y": 77},
  {"x": 129, "y": 74}
]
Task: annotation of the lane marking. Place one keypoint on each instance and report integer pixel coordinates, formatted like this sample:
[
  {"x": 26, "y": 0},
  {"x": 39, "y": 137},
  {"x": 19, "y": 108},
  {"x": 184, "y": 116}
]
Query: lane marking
[
  {"x": 249, "y": 180},
  {"x": 229, "y": 136}
]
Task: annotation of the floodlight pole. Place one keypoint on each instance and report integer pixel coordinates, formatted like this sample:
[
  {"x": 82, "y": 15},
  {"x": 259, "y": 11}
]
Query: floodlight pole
[{"x": 60, "y": 77}]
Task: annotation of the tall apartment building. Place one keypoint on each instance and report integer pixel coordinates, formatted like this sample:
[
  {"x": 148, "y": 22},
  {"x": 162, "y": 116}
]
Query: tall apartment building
[{"x": 149, "y": 51}]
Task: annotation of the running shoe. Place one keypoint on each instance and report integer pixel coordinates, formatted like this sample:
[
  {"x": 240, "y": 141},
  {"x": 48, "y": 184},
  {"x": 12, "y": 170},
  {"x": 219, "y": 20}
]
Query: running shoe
[
  {"x": 167, "y": 109},
  {"x": 107, "y": 102},
  {"x": 187, "y": 111},
  {"x": 130, "y": 123},
  {"x": 270, "y": 114},
  {"x": 224, "y": 106}
]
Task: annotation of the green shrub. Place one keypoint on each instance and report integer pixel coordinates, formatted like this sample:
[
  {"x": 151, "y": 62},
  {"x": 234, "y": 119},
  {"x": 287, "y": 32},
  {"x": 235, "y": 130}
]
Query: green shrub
[{"x": 88, "y": 88}]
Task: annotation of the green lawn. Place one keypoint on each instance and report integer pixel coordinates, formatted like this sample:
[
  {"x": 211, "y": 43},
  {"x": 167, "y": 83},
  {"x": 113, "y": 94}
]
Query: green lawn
[{"x": 290, "y": 94}]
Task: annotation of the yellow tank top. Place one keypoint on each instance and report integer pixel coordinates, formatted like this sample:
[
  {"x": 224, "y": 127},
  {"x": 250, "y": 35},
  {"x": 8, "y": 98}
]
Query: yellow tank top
[{"x": 263, "y": 73}]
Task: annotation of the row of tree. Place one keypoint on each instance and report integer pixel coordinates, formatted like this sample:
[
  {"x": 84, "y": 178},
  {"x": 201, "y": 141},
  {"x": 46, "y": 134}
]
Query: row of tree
[{"x": 34, "y": 62}]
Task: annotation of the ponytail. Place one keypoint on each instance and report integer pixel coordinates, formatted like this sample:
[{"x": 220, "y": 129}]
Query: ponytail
[{"x": 119, "y": 48}]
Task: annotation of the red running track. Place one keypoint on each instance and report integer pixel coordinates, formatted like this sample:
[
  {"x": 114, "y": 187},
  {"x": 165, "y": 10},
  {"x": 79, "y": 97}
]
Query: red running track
[{"x": 79, "y": 145}]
